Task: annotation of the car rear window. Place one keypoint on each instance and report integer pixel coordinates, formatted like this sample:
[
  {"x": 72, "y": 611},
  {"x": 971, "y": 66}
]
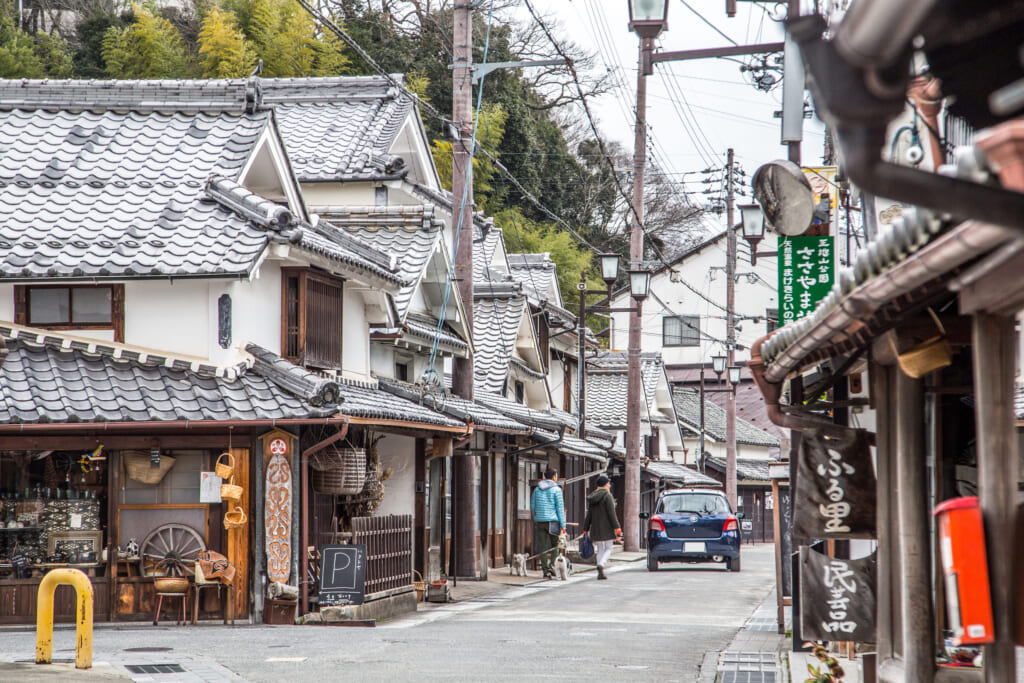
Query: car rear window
[{"x": 699, "y": 503}]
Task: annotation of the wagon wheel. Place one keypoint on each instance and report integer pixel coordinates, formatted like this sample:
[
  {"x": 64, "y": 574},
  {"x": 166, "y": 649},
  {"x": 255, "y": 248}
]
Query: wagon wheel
[{"x": 170, "y": 550}]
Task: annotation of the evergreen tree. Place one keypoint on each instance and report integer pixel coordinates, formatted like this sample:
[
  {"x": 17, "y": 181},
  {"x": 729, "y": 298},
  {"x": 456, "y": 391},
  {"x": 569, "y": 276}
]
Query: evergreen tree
[
  {"x": 223, "y": 51},
  {"x": 27, "y": 56},
  {"x": 149, "y": 47}
]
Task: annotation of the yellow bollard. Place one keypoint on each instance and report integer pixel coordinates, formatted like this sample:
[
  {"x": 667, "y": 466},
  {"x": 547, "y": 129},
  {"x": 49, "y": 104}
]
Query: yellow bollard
[{"x": 83, "y": 616}]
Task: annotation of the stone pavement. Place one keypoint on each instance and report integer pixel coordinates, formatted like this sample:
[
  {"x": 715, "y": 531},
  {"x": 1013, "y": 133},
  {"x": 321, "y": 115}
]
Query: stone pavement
[{"x": 756, "y": 654}]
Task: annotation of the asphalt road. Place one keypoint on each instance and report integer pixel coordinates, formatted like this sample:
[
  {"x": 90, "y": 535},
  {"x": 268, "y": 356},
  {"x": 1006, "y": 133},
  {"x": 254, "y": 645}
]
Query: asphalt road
[{"x": 637, "y": 626}]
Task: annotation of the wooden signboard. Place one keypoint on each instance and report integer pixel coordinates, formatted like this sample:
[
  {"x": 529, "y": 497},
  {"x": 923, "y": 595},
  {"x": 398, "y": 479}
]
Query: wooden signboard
[
  {"x": 278, "y": 512},
  {"x": 342, "y": 575},
  {"x": 835, "y": 487},
  {"x": 837, "y": 597}
]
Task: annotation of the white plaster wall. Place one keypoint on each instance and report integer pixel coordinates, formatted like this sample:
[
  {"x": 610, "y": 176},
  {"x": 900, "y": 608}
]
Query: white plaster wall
[
  {"x": 704, "y": 272},
  {"x": 398, "y": 453},
  {"x": 255, "y": 312},
  {"x": 338, "y": 194},
  {"x": 355, "y": 355},
  {"x": 172, "y": 316},
  {"x": 717, "y": 450}
]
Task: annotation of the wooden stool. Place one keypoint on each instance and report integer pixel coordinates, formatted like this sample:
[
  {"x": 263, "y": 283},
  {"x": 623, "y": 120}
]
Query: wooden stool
[
  {"x": 226, "y": 602},
  {"x": 184, "y": 606}
]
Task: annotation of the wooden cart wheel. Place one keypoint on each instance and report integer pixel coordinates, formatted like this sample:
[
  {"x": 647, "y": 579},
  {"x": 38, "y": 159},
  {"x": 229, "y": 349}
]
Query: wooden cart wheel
[{"x": 170, "y": 550}]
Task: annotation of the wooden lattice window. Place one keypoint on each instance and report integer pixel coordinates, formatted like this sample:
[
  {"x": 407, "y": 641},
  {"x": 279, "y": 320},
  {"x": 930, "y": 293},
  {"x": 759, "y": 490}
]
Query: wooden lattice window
[{"x": 311, "y": 325}]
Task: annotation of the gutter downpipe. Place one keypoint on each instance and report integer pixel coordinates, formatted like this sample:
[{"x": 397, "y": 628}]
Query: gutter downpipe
[{"x": 304, "y": 512}]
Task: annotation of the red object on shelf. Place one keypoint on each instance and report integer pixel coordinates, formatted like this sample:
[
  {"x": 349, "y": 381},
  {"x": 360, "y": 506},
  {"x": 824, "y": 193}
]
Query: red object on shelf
[{"x": 965, "y": 566}]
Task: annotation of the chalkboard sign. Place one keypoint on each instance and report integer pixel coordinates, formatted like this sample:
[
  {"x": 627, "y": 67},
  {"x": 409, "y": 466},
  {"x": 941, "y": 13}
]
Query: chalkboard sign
[{"x": 342, "y": 575}]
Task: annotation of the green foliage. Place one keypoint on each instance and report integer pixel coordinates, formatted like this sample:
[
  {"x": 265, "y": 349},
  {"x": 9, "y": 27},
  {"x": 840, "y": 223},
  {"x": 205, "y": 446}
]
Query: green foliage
[
  {"x": 26, "y": 56},
  {"x": 150, "y": 47},
  {"x": 89, "y": 32},
  {"x": 223, "y": 52},
  {"x": 285, "y": 37},
  {"x": 490, "y": 130}
]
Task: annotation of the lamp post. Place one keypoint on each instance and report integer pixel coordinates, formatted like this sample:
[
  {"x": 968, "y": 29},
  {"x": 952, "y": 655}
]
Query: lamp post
[
  {"x": 647, "y": 18},
  {"x": 718, "y": 365},
  {"x": 752, "y": 219}
]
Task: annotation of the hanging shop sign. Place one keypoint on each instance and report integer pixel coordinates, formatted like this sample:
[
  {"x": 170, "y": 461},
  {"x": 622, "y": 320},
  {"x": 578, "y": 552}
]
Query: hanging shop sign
[
  {"x": 806, "y": 275},
  {"x": 835, "y": 487},
  {"x": 342, "y": 575},
  {"x": 837, "y": 597}
]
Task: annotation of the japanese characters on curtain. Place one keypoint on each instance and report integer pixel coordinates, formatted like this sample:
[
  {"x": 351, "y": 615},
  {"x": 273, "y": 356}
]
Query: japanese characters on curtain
[
  {"x": 837, "y": 597},
  {"x": 835, "y": 487}
]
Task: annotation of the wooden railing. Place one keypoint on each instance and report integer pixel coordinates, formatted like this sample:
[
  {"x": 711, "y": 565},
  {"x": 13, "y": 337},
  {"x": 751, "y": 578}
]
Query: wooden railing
[{"x": 388, "y": 543}]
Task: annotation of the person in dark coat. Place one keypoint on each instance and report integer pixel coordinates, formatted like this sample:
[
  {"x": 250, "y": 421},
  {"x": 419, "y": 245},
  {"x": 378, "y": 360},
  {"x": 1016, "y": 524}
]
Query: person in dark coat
[{"x": 602, "y": 523}]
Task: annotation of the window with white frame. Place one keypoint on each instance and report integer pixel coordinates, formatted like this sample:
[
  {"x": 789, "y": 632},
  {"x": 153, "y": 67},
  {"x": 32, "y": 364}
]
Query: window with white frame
[{"x": 680, "y": 330}]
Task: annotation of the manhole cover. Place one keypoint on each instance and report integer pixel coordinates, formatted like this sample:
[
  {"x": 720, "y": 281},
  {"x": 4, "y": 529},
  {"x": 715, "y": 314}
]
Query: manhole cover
[
  {"x": 155, "y": 668},
  {"x": 148, "y": 649}
]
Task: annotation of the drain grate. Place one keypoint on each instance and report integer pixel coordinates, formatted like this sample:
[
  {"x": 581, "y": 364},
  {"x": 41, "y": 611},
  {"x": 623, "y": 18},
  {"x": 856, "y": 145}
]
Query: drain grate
[
  {"x": 148, "y": 649},
  {"x": 747, "y": 677},
  {"x": 155, "y": 668}
]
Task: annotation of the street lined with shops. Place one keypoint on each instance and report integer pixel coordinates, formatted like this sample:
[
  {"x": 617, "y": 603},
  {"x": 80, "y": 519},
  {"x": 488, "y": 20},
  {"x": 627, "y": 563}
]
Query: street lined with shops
[{"x": 637, "y": 625}]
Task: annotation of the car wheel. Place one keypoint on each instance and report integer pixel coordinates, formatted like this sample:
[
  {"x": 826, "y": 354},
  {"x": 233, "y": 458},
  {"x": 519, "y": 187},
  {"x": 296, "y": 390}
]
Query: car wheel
[
  {"x": 732, "y": 563},
  {"x": 652, "y": 563}
]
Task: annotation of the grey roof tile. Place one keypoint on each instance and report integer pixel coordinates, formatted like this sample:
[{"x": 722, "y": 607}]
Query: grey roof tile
[
  {"x": 339, "y": 128},
  {"x": 746, "y": 469},
  {"x": 674, "y": 472},
  {"x": 496, "y": 323},
  {"x": 535, "y": 272},
  {"x": 687, "y": 404},
  {"x": 483, "y": 417},
  {"x": 607, "y": 388},
  {"x": 539, "y": 419}
]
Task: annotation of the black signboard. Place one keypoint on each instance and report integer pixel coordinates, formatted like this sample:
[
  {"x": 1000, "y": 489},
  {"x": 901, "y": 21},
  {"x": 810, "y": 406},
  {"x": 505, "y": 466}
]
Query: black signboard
[
  {"x": 837, "y": 597},
  {"x": 342, "y": 575},
  {"x": 835, "y": 487},
  {"x": 785, "y": 503}
]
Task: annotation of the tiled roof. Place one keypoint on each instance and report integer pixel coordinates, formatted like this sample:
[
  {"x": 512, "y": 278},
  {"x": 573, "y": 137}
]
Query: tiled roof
[
  {"x": 747, "y": 470},
  {"x": 539, "y": 419},
  {"x": 411, "y": 233},
  {"x": 535, "y": 272},
  {"x": 607, "y": 389},
  {"x": 496, "y": 321},
  {"x": 571, "y": 445},
  {"x": 687, "y": 403},
  {"x": 52, "y": 379},
  {"x": 426, "y": 329},
  {"x": 674, "y": 472},
  {"x": 339, "y": 128},
  {"x": 486, "y": 239},
  {"x": 355, "y": 399},
  {"x": 483, "y": 418},
  {"x": 237, "y": 96},
  {"x": 121, "y": 194}
]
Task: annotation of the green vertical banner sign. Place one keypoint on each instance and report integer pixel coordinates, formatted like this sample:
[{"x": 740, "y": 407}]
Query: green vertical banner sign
[{"x": 806, "y": 274}]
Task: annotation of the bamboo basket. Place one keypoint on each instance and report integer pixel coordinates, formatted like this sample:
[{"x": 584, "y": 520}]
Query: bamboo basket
[
  {"x": 136, "y": 465},
  {"x": 231, "y": 491},
  {"x": 929, "y": 355},
  {"x": 224, "y": 470},
  {"x": 235, "y": 518},
  {"x": 339, "y": 471},
  {"x": 420, "y": 586}
]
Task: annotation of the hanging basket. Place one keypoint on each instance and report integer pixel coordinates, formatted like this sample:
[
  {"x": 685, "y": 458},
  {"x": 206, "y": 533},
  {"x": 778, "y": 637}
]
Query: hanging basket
[
  {"x": 136, "y": 465},
  {"x": 225, "y": 469},
  {"x": 929, "y": 355},
  {"x": 235, "y": 518},
  {"x": 339, "y": 471},
  {"x": 231, "y": 491}
]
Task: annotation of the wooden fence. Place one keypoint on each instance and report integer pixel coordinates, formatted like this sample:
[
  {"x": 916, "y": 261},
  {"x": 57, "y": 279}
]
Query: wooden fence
[{"x": 388, "y": 543}]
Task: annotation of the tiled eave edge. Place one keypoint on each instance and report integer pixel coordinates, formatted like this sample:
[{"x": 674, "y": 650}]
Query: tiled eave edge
[{"x": 840, "y": 320}]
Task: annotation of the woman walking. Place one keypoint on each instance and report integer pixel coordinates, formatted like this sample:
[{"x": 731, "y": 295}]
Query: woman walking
[{"x": 602, "y": 523}]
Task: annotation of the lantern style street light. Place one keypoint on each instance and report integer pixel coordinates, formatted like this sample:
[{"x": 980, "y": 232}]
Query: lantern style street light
[
  {"x": 718, "y": 365},
  {"x": 648, "y": 18},
  {"x": 734, "y": 376},
  {"x": 639, "y": 283},
  {"x": 609, "y": 268},
  {"x": 753, "y": 230}
]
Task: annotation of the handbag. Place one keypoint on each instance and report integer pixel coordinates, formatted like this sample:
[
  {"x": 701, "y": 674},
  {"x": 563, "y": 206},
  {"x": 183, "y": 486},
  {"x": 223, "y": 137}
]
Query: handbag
[
  {"x": 586, "y": 547},
  {"x": 554, "y": 528}
]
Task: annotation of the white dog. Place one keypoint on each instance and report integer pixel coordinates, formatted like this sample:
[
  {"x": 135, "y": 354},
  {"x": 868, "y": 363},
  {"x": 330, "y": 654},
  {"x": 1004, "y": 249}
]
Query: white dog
[
  {"x": 518, "y": 566},
  {"x": 563, "y": 567}
]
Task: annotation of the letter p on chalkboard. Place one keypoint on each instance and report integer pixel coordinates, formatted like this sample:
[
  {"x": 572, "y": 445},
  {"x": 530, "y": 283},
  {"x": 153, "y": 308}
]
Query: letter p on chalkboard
[{"x": 342, "y": 575}]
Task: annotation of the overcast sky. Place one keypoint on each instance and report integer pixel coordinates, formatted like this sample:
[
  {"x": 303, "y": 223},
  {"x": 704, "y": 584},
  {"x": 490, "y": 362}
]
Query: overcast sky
[{"x": 696, "y": 109}]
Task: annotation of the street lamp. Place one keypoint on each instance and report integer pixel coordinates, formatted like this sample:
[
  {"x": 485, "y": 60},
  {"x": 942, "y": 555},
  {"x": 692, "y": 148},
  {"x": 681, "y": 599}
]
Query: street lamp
[
  {"x": 639, "y": 283},
  {"x": 753, "y": 230},
  {"x": 648, "y": 18},
  {"x": 734, "y": 376},
  {"x": 609, "y": 268},
  {"x": 718, "y": 365}
]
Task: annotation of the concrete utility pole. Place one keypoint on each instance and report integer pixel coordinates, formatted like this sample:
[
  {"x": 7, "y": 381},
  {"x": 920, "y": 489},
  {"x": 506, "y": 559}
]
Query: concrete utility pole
[
  {"x": 463, "y": 467},
  {"x": 631, "y": 496},
  {"x": 730, "y": 332}
]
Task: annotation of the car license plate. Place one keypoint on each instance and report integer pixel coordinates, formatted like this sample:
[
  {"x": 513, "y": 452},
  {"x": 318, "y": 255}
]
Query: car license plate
[{"x": 693, "y": 547}]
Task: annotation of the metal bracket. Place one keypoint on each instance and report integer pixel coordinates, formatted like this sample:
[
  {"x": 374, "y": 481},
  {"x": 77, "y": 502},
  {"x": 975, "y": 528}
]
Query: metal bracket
[{"x": 481, "y": 70}]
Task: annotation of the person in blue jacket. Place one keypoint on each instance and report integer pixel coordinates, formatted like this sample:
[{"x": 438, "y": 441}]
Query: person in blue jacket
[{"x": 548, "y": 510}]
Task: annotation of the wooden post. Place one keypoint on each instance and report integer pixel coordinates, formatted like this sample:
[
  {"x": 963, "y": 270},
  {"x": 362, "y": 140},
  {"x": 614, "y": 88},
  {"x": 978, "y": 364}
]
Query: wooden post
[
  {"x": 914, "y": 532},
  {"x": 238, "y": 539},
  {"x": 776, "y": 528},
  {"x": 994, "y": 361}
]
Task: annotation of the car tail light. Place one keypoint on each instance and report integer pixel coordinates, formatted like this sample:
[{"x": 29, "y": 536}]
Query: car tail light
[
  {"x": 731, "y": 524},
  {"x": 657, "y": 524}
]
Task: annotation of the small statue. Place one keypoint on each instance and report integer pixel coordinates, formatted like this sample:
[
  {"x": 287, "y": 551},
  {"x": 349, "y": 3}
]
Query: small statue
[{"x": 132, "y": 549}]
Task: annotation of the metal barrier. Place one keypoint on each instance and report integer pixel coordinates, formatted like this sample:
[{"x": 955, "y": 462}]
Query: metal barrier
[{"x": 83, "y": 616}]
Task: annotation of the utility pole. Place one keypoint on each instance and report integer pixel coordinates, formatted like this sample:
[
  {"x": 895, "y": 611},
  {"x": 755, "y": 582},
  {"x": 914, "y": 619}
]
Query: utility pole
[
  {"x": 631, "y": 496},
  {"x": 463, "y": 467},
  {"x": 730, "y": 332}
]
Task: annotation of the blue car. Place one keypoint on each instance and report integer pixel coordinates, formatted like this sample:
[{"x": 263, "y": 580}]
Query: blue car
[{"x": 693, "y": 525}]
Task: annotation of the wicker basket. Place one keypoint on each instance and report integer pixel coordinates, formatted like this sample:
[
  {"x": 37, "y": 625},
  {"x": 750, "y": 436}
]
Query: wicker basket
[
  {"x": 339, "y": 471},
  {"x": 136, "y": 464},
  {"x": 231, "y": 491},
  {"x": 170, "y": 584},
  {"x": 224, "y": 470},
  {"x": 927, "y": 356},
  {"x": 235, "y": 518}
]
